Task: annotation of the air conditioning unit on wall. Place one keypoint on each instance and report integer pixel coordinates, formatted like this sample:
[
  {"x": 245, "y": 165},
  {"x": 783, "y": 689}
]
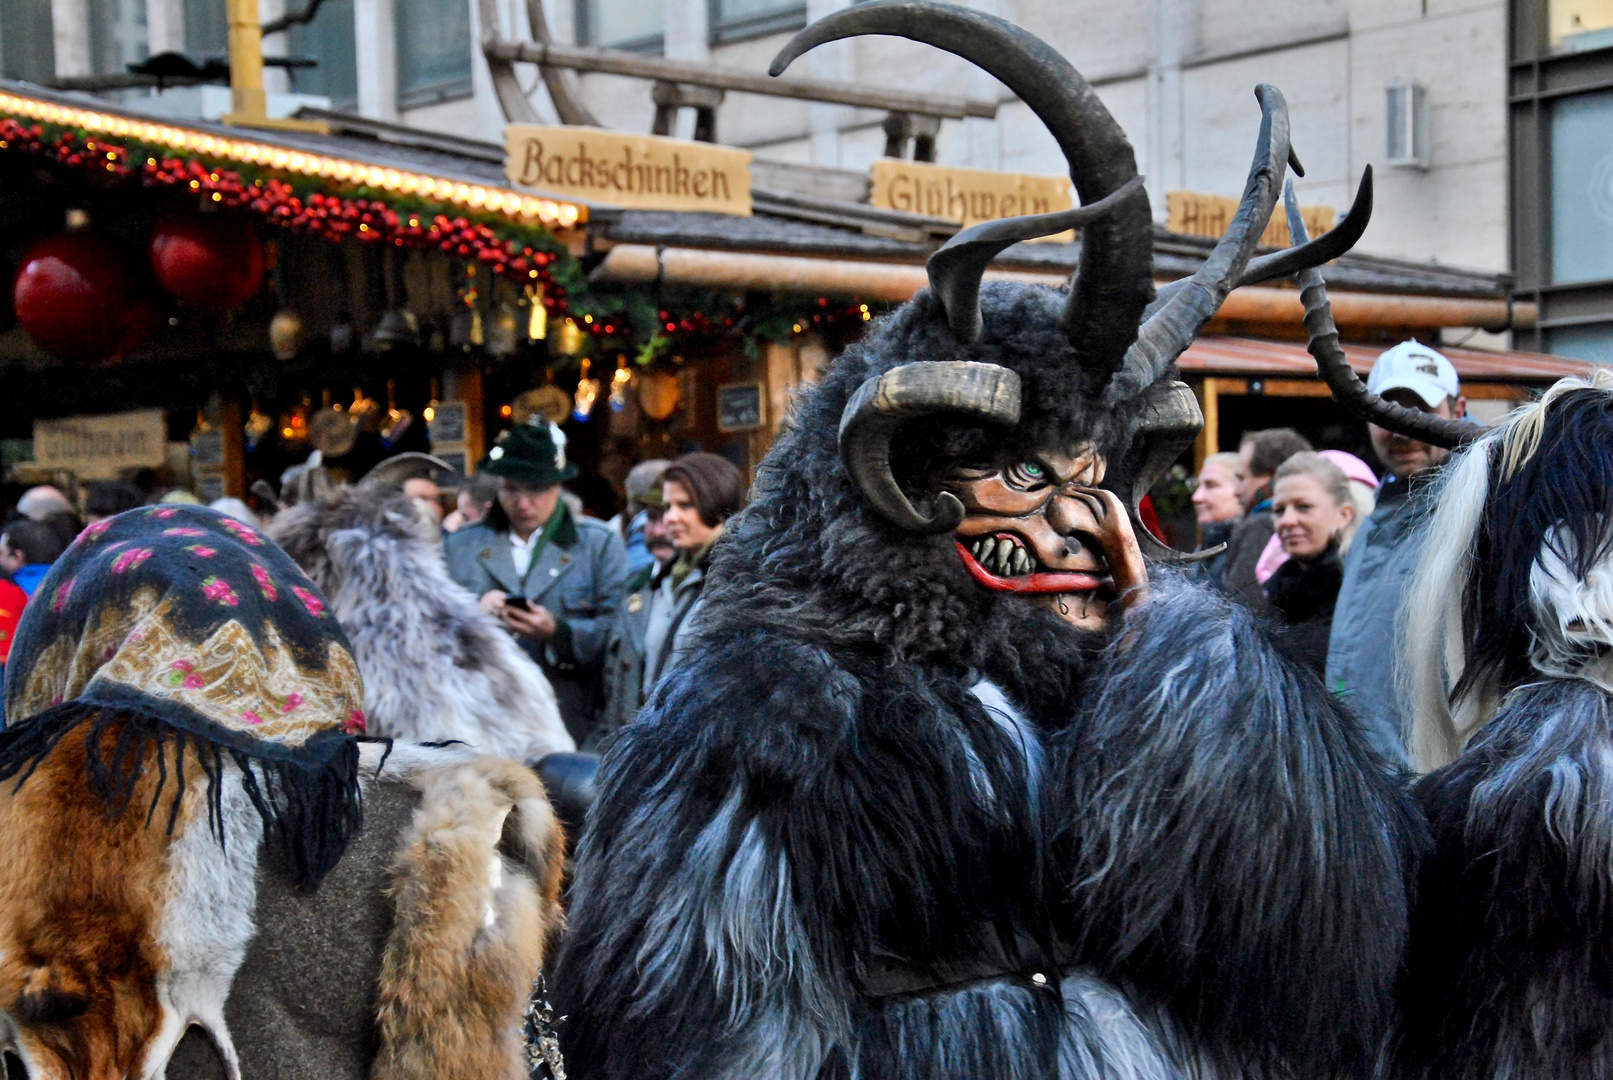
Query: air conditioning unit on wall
[{"x": 1408, "y": 125}]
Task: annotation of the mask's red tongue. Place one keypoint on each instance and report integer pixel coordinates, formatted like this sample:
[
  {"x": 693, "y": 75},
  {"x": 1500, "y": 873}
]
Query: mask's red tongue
[{"x": 1044, "y": 582}]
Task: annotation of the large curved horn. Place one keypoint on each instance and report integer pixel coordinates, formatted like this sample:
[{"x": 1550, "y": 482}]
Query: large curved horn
[
  {"x": 1173, "y": 326},
  {"x": 870, "y": 419},
  {"x": 1347, "y": 387},
  {"x": 1324, "y": 249},
  {"x": 1115, "y": 280},
  {"x": 956, "y": 268},
  {"x": 1171, "y": 421}
]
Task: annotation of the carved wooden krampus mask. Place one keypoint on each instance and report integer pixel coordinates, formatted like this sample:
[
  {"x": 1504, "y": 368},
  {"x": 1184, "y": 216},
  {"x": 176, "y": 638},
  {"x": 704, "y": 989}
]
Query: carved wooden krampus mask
[{"x": 1040, "y": 517}]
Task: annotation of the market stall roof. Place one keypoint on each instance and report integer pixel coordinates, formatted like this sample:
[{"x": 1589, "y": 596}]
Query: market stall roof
[
  {"x": 1222, "y": 354},
  {"x": 407, "y": 163}
]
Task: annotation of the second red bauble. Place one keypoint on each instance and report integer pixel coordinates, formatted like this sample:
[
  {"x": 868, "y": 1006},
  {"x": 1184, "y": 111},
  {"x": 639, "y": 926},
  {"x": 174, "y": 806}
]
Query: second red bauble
[{"x": 214, "y": 261}]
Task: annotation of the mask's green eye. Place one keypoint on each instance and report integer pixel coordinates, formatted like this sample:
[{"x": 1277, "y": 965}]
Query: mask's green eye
[{"x": 1027, "y": 474}]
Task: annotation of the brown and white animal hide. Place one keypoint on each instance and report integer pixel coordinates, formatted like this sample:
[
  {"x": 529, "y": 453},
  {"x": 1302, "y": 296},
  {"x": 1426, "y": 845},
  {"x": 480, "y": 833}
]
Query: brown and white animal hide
[
  {"x": 127, "y": 951},
  {"x": 436, "y": 668}
]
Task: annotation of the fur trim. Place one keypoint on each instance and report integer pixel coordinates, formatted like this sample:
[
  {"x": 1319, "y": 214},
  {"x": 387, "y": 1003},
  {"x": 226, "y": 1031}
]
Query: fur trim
[
  {"x": 82, "y": 956},
  {"x": 435, "y": 667},
  {"x": 473, "y": 917},
  {"x": 1512, "y": 943},
  {"x": 1230, "y": 846}
]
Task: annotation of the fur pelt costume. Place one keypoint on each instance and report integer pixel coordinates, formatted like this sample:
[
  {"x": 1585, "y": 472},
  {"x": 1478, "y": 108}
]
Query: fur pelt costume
[
  {"x": 1508, "y": 636},
  {"x": 435, "y": 666},
  {"x": 198, "y": 837},
  {"x": 922, "y": 802}
]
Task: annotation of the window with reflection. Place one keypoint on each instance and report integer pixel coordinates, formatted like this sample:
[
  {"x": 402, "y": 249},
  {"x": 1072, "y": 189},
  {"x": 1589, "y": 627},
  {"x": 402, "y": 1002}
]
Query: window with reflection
[
  {"x": 734, "y": 20},
  {"x": 639, "y": 25},
  {"x": 329, "y": 40},
  {"x": 1581, "y": 160},
  {"x": 1578, "y": 25},
  {"x": 433, "y": 51}
]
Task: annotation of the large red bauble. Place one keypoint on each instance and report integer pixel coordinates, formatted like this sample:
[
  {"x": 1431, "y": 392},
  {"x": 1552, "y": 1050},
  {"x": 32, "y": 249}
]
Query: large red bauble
[
  {"x": 214, "y": 261},
  {"x": 72, "y": 295}
]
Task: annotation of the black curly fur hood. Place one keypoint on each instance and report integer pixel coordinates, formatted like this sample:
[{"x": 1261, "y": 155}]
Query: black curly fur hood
[{"x": 811, "y": 557}]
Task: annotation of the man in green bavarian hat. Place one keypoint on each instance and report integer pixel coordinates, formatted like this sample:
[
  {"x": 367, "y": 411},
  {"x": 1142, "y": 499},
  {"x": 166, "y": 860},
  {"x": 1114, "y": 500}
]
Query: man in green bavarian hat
[{"x": 553, "y": 579}]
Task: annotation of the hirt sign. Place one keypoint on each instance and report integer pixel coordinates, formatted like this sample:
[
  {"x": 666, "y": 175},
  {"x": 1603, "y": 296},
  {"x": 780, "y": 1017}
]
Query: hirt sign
[{"x": 645, "y": 172}]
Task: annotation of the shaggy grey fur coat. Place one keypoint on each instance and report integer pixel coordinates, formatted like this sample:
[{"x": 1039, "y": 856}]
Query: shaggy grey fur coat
[{"x": 435, "y": 666}]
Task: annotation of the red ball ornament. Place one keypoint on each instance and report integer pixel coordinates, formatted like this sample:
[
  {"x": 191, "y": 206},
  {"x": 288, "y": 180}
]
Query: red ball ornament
[
  {"x": 73, "y": 296},
  {"x": 214, "y": 261}
]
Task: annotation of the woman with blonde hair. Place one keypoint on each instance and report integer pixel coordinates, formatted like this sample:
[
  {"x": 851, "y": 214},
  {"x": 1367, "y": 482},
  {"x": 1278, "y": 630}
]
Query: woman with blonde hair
[{"x": 1314, "y": 508}]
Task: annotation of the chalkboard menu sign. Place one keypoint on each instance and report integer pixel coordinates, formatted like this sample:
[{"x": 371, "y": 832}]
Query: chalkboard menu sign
[
  {"x": 739, "y": 407},
  {"x": 448, "y": 425}
]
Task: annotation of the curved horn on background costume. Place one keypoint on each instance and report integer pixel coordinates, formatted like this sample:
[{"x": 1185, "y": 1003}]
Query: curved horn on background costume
[
  {"x": 956, "y": 269},
  {"x": 1171, "y": 421},
  {"x": 1324, "y": 249},
  {"x": 1174, "y": 324},
  {"x": 1334, "y": 366},
  {"x": 880, "y": 405},
  {"x": 1115, "y": 279}
]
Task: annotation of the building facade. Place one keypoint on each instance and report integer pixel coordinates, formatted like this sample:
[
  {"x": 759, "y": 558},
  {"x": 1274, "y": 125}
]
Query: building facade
[{"x": 1419, "y": 89}]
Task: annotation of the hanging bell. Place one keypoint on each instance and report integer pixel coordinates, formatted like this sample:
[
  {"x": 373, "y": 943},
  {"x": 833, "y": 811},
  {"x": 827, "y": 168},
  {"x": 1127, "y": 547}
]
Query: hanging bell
[
  {"x": 286, "y": 332},
  {"x": 502, "y": 341},
  {"x": 397, "y": 327},
  {"x": 537, "y": 322},
  {"x": 343, "y": 335}
]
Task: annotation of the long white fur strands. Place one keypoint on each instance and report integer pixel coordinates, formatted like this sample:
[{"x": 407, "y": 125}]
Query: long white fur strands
[
  {"x": 1430, "y": 639},
  {"x": 1573, "y": 618}
]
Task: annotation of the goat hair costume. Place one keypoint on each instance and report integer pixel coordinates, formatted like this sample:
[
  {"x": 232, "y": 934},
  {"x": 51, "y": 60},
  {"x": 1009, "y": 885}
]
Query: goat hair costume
[
  {"x": 197, "y": 835},
  {"x": 435, "y": 666},
  {"x": 923, "y": 802},
  {"x": 1509, "y": 633}
]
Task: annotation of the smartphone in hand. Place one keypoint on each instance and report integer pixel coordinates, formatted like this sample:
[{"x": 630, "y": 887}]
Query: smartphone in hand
[{"x": 518, "y": 602}]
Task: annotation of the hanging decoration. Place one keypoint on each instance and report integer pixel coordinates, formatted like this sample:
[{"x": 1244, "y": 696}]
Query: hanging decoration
[
  {"x": 74, "y": 296},
  {"x": 619, "y": 382},
  {"x": 258, "y": 424},
  {"x": 421, "y": 219},
  {"x": 286, "y": 333},
  {"x": 537, "y": 324},
  {"x": 587, "y": 392},
  {"x": 658, "y": 394},
  {"x": 213, "y": 261},
  {"x": 397, "y": 420}
]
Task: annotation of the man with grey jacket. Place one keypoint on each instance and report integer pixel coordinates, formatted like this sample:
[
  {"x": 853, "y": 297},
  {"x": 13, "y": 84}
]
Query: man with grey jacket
[
  {"x": 552, "y": 578},
  {"x": 1362, "y": 661}
]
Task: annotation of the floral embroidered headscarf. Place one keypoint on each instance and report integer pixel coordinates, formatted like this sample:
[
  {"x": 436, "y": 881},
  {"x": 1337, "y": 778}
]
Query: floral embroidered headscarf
[{"x": 182, "y": 626}]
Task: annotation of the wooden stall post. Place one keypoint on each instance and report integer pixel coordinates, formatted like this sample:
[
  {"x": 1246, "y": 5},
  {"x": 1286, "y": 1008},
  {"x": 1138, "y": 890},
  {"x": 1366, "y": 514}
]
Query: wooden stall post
[
  {"x": 234, "y": 434},
  {"x": 1209, "y": 440}
]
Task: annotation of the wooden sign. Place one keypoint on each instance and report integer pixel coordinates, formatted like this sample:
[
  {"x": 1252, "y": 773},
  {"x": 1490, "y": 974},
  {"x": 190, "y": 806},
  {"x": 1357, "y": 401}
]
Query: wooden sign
[
  {"x": 968, "y": 196},
  {"x": 97, "y": 447},
  {"x": 645, "y": 172},
  {"x": 739, "y": 407},
  {"x": 1193, "y": 213}
]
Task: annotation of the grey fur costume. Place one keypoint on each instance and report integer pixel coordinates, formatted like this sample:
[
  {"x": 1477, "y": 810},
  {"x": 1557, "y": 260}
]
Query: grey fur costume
[
  {"x": 888, "y": 823},
  {"x": 435, "y": 667}
]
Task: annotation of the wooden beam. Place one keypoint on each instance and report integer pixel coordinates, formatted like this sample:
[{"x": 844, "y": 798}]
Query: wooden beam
[
  {"x": 1209, "y": 440},
  {"x": 637, "y": 66},
  {"x": 234, "y": 437}
]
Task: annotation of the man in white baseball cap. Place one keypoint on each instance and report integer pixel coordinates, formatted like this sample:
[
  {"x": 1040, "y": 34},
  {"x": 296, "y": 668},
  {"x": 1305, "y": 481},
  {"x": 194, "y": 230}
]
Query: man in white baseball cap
[
  {"x": 1361, "y": 661},
  {"x": 1413, "y": 375}
]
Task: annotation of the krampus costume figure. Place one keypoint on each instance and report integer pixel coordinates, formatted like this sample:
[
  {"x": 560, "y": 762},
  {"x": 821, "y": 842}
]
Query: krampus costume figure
[
  {"x": 198, "y": 841},
  {"x": 1509, "y": 636},
  {"x": 435, "y": 666},
  {"x": 923, "y": 802}
]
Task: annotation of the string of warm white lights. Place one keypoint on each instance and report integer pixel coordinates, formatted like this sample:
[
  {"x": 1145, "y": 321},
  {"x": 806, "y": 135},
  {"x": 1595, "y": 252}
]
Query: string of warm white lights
[{"x": 515, "y": 205}]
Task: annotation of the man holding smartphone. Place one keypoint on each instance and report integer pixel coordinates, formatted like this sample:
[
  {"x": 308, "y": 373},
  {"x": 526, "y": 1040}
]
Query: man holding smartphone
[{"x": 553, "y": 579}]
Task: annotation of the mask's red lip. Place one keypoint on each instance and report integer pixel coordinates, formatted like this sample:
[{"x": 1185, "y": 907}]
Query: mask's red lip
[{"x": 1047, "y": 582}]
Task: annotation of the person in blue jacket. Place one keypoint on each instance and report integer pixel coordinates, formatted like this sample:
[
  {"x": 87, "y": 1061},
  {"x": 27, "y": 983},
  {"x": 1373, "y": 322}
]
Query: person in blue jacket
[
  {"x": 554, "y": 579},
  {"x": 27, "y": 548}
]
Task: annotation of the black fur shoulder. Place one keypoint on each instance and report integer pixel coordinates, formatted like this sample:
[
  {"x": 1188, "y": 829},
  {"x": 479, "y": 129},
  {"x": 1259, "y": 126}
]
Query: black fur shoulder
[
  {"x": 779, "y": 814},
  {"x": 1511, "y": 969},
  {"x": 1231, "y": 848}
]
